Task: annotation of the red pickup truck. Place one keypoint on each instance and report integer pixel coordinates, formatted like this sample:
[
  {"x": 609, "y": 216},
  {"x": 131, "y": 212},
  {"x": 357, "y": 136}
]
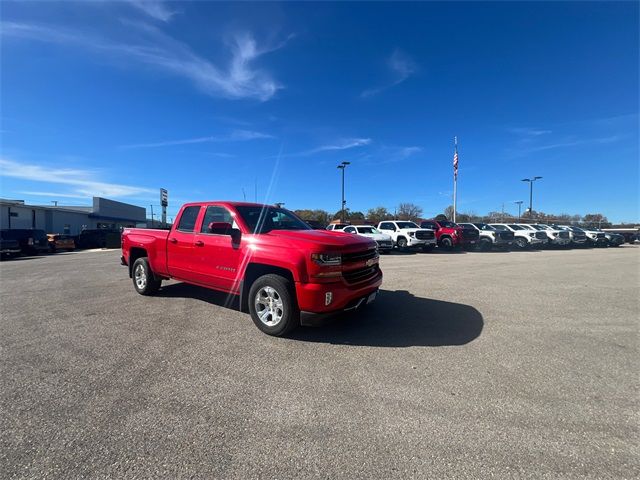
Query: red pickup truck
[
  {"x": 279, "y": 267},
  {"x": 451, "y": 235}
]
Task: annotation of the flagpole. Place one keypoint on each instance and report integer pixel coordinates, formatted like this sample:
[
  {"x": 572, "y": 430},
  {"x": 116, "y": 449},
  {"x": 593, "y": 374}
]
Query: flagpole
[{"x": 455, "y": 180}]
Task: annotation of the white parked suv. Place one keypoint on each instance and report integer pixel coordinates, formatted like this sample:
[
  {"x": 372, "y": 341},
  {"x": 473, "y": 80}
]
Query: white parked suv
[
  {"x": 490, "y": 236},
  {"x": 337, "y": 226},
  {"x": 384, "y": 241},
  {"x": 555, "y": 236},
  {"x": 594, "y": 237},
  {"x": 576, "y": 235},
  {"x": 523, "y": 237},
  {"x": 408, "y": 234}
]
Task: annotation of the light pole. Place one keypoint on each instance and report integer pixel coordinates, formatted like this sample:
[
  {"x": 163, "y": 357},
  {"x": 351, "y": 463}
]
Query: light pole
[
  {"x": 531, "y": 180},
  {"x": 342, "y": 167},
  {"x": 519, "y": 202}
]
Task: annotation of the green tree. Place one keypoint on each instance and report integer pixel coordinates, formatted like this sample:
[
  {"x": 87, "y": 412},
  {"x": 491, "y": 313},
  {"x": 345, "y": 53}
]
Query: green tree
[{"x": 378, "y": 214}]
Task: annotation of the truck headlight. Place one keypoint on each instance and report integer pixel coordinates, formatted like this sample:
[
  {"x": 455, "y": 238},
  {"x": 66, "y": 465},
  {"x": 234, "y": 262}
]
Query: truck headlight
[
  {"x": 327, "y": 259},
  {"x": 412, "y": 234}
]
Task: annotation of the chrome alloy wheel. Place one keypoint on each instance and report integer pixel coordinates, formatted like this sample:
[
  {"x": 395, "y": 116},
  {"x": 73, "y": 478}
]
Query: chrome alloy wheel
[
  {"x": 269, "y": 306},
  {"x": 141, "y": 277}
]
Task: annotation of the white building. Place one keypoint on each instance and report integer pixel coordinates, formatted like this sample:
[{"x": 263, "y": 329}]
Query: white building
[{"x": 70, "y": 220}]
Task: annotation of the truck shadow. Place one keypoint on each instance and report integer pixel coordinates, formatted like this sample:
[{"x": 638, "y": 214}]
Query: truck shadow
[
  {"x": 396, "y": 319},
  {"x": 399, "y": 319}
]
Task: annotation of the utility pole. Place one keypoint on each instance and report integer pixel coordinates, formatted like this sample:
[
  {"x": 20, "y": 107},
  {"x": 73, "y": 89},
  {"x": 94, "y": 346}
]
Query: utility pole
[
  {"x": 502, "y": 219},
  {"x": 342, "y": 167},
  {"x": 531, "y": 180},
  {"x": 151, "y": 216},
  {"x": 455, "y": 177},
  {"x": 519, "y": 202}
]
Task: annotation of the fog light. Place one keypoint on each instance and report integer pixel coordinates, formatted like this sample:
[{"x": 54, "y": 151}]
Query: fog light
[{"x": 328, "y": 298}]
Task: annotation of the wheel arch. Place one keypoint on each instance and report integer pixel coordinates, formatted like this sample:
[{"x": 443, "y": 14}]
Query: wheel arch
[
  {"x": 134, "y": 254},
  {"x": 255, "y": 271}
]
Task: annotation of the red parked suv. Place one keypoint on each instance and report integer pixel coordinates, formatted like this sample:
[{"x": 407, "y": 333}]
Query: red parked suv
[
  {"x": 451, "y": 235},
  {"x": 278, "y": 266}
]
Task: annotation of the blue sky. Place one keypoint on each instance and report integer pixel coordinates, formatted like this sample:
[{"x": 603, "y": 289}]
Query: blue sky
[{"x": 208, "y": 99}]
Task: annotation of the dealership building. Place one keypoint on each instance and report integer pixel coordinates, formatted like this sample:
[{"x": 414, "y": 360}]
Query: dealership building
[{"x": 103, "y": 214}]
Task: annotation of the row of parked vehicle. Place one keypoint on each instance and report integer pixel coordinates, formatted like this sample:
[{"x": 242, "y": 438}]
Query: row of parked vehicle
[
  {"x": 27, "y": 241},
  {"x": 448, "y": 235}
]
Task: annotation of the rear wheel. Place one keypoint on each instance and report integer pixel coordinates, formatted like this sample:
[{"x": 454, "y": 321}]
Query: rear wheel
[
  {"x": 144, "y": 281},
  {"x": 272, "y": 305}
]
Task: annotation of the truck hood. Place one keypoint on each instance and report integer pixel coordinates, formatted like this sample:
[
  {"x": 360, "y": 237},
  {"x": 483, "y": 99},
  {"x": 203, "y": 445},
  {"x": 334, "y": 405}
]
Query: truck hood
[
  {"x": 376, "y": 236},
  {"x": 408, "y": 230},
  {"x": 329, "y": 238}
]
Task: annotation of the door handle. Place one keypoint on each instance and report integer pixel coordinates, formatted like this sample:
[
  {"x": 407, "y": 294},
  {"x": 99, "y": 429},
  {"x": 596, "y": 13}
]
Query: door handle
[
  {"x": 173, "y": 240},
  {"x": 199, "y": 243}
]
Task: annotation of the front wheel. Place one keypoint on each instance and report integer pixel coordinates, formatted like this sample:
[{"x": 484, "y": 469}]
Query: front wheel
[
  {"x": 446, "y": 243},
  {"x": 521, "y": 243},
  {"x": 144, "y": 281},
  {"x": 402, "y": 243},
  {"x": 484, "y": 245},
  {"x": 272, "y": 305}
]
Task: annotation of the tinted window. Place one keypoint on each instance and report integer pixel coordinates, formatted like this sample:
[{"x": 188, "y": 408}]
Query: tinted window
[
  {"x": 188, "y": 218},
  {"x": 516, "y": 227},
  {"x": 430, "y": 225},
  {"x": 500, "y": 227},
  {"x": 367, "y": 230},
  {"x": 387, "y": 226},
  {"x": 215, "y": 214},
  {"x": 350, "y": 230},
  {"x": 447, "y": 224},
  {"x": 264, "y": 219},
  {"x": 406, "y": 225}
]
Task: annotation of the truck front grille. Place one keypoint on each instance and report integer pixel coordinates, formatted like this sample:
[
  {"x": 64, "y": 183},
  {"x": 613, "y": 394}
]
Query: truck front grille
[
  {"x": 541, "y": 235},
  {"x": 505, "y": 235},
  {"x": 361, "y": 256},
  {"x": 360, "y": 274},
  {"x": 469, "y": 234},
  {"x": 425, "y": 234},
  {"x": 563, "y": 235},
  {"x": 600, "y": 235}
]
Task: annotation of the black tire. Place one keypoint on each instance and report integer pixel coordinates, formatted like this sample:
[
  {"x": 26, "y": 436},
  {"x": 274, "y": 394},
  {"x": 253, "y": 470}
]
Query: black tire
[
  {"x": 484, "y": 245},
  {"x": 264, "y": 313},
  {"x": 144, "y": 281},
  {"x": 521, "y": 243},
  {"x": 428, "y": 248},
  {"x": 402, "y": 243},
  {"x": 446, "y": 243}
]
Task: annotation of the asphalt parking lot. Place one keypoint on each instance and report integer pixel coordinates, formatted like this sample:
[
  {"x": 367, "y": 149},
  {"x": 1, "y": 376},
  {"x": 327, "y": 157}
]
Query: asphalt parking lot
[{"x": 469, "y": 365}]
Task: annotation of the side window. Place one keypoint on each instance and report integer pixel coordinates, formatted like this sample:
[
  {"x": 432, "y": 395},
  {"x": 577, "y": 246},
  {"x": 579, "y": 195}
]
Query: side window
[
  {"x": 215, "y": 214},
  {"x": 385, "y": 226},
  {"x": 350, "y": 230},
  {"x": 188, "y": 218},
  {"x": 430, "y": 225}
]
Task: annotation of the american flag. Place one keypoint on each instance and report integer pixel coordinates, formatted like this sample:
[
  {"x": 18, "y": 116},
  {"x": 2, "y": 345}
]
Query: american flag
[{"x": 455, "y": 163}]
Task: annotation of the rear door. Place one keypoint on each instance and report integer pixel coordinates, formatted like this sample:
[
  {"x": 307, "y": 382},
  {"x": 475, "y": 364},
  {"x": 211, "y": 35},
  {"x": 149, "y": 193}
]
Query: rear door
[
  {"x": 216, "y": 259},
  {"x": 180, "y": 244}
]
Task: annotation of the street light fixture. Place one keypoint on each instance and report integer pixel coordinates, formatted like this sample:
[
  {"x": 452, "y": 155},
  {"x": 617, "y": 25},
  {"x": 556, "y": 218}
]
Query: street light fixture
[
  {"x": 342, "y": 167},
  {"x": 531, "y": 180},
  {"x": 519, "y": 202}
]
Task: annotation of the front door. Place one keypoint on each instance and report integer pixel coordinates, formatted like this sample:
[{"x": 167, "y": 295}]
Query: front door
[
  {"x": 216, "y": 258},
  {"x": 180, "y": 244}
]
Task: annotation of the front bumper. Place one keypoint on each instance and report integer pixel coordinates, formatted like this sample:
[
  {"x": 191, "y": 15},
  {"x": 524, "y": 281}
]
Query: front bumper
[
  {"x": 385, "y": 245},
  {"x": 311, "y": 296},
  {"x": 7, "y": 251},
  {"x": 415, "y": 242},
  {"x": 559, "y": 241}
]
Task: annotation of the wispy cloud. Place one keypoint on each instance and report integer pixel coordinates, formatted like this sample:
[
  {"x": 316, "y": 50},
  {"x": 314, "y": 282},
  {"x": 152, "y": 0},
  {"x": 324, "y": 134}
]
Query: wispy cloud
[
  {"x": 391, "y": 154},
  {"x": 529, "y": 132},
  {"x": 84, "y": 182},
  {"x": 53, "y": 194},
  {"x": 575, "y": 143},
  {"x": 235, "y": 136},
  {"x": 340, "y": 145},
  {"x": 401, "y": 67},
  {"x": 239, "y": 78},
  {"x": 156, "y": 9}
]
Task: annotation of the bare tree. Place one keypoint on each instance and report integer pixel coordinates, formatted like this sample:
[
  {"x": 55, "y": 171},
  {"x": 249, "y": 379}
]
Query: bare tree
[
  {"x": 378, "y": 214},
  {"x": 409, "y": 211}
]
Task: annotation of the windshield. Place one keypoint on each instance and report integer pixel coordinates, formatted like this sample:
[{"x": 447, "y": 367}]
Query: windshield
[
  {"x": 538, "y": 227},
  {"x": 485, "y": 226},
  {"x": 516, "y": 227},
  {"x": 502, "y": 228},
  {"x": 264, "y": 219},
  {"x": 406, "y": 225},
  {"x": 576, "y": 229},
  {"x": 367, "y": 230},
  {"x": 447, "y": 224}
]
